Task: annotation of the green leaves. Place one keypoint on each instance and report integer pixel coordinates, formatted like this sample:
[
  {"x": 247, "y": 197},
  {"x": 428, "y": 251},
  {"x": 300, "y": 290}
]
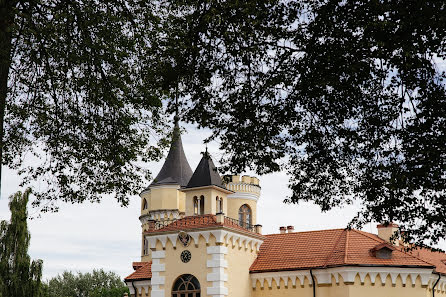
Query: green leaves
[
  {"x": 98, "y": 283},
  {"x": 19, "y": 276},
  {"x": 345, "y": 95},
  {"x": 80, "y": 99}
]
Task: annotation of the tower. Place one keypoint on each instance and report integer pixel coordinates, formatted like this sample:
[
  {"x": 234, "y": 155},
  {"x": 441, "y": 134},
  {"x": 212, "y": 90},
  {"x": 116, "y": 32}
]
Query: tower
[
  {"x": 191, "y": 247},
  {"x": 162, "y": 201},
  {"x": 205, "y": 192},
  {"x": 242, "y": 203}
]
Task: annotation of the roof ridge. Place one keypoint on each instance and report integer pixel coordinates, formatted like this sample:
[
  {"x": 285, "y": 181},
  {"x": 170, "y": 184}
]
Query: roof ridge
[
  {"x": 363, "y": 233},
  {"x": 346, "y": 246},
  {"x": 300, "y": 232},
  {"x": 334, "y": 247}
]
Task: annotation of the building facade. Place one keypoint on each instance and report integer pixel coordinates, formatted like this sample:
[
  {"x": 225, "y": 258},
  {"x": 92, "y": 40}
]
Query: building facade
[{"x": 200, "y": 237}]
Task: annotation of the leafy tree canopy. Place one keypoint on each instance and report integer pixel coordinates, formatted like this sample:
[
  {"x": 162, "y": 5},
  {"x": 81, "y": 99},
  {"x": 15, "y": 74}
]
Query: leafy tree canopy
[
  {"x": 96, "y": 284},
  {"x": 19, "y": 276},
  {"x": 74, "y": 93},
  {"x": 348, "y": 96}
]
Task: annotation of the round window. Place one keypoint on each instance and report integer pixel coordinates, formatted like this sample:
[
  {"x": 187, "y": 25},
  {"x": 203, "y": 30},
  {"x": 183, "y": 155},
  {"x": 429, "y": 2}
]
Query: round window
[{"x": 186, "y": 256}]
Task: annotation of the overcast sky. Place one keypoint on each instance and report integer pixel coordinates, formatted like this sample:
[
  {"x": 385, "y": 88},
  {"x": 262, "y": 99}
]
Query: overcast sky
[{"x": 105, "y": 235}]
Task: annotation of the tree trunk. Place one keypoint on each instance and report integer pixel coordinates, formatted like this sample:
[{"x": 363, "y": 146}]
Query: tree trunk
[{"x": 6, "y": 22}]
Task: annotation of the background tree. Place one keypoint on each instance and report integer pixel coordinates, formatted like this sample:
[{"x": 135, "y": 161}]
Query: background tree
[
  {"x": 96, "y": 284},
  {"x": 74, "y": 93},
  {"x": 347, "y": 96},
  {"x": 19, "y": 276}
]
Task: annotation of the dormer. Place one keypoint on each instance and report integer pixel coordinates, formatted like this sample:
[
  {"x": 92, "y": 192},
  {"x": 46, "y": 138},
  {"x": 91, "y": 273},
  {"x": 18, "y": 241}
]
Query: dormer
[
  {"x": 382, "y": 251},
  {"x": 205, "y": 192}
]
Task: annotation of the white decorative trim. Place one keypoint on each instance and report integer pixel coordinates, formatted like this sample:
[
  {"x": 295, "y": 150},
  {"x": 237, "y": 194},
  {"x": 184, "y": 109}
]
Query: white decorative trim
[
  {"x": 138, "y": 285},
  {"x": 324, "y": 276},
  {"x": 440, "y": 287},
  {"x": 244, "y": 187},
  {"x": 247, "y": 196},
  {"x": 221, "y": 236},
  {"x": 158, "y": 254},
  {"x": 160, "y": 214},
  {"x": 284, "y": 275},
  {"x": 157, "y": 279},
  {"x": 218, "y": 277}
]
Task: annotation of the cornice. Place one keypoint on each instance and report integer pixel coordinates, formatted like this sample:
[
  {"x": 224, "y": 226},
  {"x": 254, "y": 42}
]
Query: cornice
[
  {"x": 221, "y": 234},
  {"x": 348, "y": 273}
]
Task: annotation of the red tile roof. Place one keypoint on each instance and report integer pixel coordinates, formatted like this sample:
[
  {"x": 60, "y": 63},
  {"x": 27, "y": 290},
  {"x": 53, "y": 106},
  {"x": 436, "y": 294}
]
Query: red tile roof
[
  {"x": 435, "y": 258},
  {"x": 326, "y": 248},
  {"x": 143, "y": 271},
  {"x": 315, "y": 249}
]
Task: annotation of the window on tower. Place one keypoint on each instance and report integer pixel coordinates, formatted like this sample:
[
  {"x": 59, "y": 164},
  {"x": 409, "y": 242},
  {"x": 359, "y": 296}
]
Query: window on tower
[
  {"x": 144, "y": 204},
  {"x": 201, "y": 205},
  {"x": 146, "y": 247},
  {"x": 245, "y": 216},
  {"x": 196, "y": 206},
  {"x": 219, "y": 204}
]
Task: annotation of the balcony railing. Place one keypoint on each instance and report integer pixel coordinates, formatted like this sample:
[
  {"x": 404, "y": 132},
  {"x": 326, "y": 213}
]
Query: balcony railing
[
  {"x": 197, "y": 221},
  {"x": 185, "y": 222},
  {"x": 236, "y": 223}
]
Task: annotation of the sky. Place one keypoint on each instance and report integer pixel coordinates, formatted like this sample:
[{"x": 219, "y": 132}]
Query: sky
[{"x": 90, "y": 236}]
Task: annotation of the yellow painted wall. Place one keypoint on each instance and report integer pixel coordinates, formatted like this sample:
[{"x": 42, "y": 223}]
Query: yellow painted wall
[
  {"x": 297, "y": 290},
  {"x": 196, "y": 266},
  {"x": 239, "y": 260},
  {"x": 385, "y": 288},
  {"x": 234, "y": 205},
  {"x": 210, "y": 203},
  {"x": 164, "y": 198},
  {"x": 145, "y": 195},
  {"x": 366, "y": 289}
]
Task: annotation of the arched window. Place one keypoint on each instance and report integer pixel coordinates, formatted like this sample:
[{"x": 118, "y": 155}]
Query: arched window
[
  {"x": 196, "y": 210},
  {"x": 244, "y": 216},
  {"x": 219, "y": 204},
  {"x": 144, "y": 204},
  {"x": 146, "y": 247},
  {"x": 199, "y": 205},
  {"x": 186, "y": 285}
]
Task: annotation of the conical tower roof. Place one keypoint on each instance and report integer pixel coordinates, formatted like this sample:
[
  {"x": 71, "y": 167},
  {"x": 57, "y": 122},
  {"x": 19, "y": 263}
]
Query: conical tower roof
[
  {"x": 206, "y": 174},
  {"x": 176, "y": 170}
]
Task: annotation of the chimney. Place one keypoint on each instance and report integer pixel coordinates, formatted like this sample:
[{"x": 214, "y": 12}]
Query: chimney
[
  {"x": 220, "y": 218},
  {"x": 290, "y": 229},
  {"x": 386, "y": 231},
  {"x": 282, "y": 230},
  {"x": 258, "y": 228}
]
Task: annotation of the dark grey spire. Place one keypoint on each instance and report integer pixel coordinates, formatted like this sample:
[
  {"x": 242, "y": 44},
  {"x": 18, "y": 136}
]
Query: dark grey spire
[
  {"x": 205, "y": 174},
  {"x": 176, "y": 169}
]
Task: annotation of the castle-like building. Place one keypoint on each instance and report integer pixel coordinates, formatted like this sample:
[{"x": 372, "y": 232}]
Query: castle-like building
[{"x": 200, "y": 237}]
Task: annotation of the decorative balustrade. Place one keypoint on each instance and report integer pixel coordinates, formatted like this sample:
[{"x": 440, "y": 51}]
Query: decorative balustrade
[
  {"x": 198, "y": 221},
  {"x": 233, "y": 222}
]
